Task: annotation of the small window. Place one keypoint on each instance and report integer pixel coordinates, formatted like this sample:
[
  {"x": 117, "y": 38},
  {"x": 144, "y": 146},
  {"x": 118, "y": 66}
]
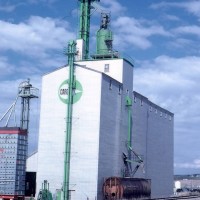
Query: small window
[
  {"x": 106, "y": 67},
  {"x": 110, "y": 85},
  {"x": 156, "y": 111},
  {"x": 120, "y": 90},
  {"x": 141, "y": 102},
  {"x": 135, "y": 99},
  {"x": 160, "y": 114},
  {"x": 150, "y": 108},
  {"x": 170, "y": 118}
]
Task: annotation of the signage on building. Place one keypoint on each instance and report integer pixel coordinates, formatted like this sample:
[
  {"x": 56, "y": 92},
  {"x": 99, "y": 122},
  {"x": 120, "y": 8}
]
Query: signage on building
[{"x": 63, "y": 91}]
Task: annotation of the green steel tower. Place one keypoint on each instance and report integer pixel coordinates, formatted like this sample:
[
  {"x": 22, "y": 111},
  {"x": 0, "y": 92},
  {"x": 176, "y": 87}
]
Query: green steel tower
[
  {"x": 84, "y": 29},
  {"x": 104, "y": 36},
  {"x": 71, "y": 87}
]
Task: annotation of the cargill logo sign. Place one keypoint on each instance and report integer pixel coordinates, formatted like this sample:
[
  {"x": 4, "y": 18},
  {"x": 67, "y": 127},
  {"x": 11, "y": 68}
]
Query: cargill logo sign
[{"x": 63, "y": 92}]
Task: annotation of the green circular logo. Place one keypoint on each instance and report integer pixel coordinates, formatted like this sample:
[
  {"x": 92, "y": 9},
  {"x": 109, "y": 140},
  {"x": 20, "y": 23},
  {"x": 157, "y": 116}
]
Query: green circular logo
[{"x": 63, "y": 91}]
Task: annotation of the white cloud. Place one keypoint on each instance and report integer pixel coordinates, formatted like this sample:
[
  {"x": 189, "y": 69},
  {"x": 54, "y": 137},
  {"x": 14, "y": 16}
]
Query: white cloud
[
  {"x": 7, "y": 8},
  {"x": 182, "y": 43},
  {"x": 171, "y": 17},
  {"x": 112, "y": 6},
  {"x": 130, "y": 31},
  {"x": 5, "y": 67},
  {"x": 34, "y": 37},
  {"x": 193, "y": 30},
  {"x": 192, "y": 6},
  {"x": 191, "y": 165},
  {"x": 172, "y": 83}
]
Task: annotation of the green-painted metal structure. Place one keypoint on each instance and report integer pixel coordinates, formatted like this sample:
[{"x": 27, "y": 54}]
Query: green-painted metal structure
[
  {"x": 104, "y": 36},
  {"x": 129, "y": 159},
  {"x": 84, "y": 27},
  {"x": 44, "y": 193},
  {"x": 129, "y": 106},
  {"x": 84, "y": 33},
  {"x": 71, "y": 87}
]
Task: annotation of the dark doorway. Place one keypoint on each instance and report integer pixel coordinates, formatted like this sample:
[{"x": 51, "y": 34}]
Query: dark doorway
[{"x": 30, "y": 184}]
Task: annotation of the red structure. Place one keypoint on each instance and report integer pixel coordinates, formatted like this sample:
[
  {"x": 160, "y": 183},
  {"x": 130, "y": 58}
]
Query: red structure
[{"x": 13, "y": 152}]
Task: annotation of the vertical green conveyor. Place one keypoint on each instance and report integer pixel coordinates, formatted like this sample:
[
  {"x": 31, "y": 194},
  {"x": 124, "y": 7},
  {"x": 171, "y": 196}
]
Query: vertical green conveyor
[{"x": 71, "y": 86}]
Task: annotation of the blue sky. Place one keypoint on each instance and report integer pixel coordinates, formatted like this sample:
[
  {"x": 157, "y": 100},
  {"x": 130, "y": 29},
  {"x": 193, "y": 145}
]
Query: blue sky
[{"x": 162, "y": 37}]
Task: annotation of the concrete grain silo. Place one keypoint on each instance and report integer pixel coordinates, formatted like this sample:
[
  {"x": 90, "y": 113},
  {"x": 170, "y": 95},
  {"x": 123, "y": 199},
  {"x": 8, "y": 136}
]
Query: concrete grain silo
[{"x": 110, "y": 130}]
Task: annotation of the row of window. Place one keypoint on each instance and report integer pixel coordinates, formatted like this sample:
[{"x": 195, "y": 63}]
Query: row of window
[
  {"x": 119, "y": 87},
  {"x": 7, "y": 167},
  {"x": 135, "y": 100},
  {"x": 141, "y": 102},
  {"x": 7, "y": 177},
  {"x": 8, "y": 137},
  {"x": 7, "y": 172},
  {"x": 5, "y": 161},
  {"x": 7, "y": 183},
  {"x": 6, "y": 193},
  {"x": 20, "y": 137},
  {"x": 23, "y": 137},
  {"x": 21, "y": 142},
  {"x": 7, "y": 147},
  {"x": 20, "y": 157},
  {"x": 151, "y": 109},
  {"x": 10, "y": 152},
  {"x": 106, "y": 69},
  {"x": 20, "y": 172},
  {"x": 8, "y": 141},
  {"x": 22, "y": 167},
  {"x": 8, "y": 157}
]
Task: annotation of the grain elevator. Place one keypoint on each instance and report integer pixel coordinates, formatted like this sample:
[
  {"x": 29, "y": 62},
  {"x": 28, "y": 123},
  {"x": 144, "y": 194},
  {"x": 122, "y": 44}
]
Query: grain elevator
[{"x": 93, "y": 126}]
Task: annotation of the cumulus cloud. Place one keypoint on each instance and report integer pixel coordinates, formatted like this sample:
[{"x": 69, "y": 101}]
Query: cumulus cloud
[
  {"x": 177, "y": 77},
  {"x": 192, "y": 30},
  {"x": 7, "y": 8},
  {"x": 194, "y": 165},
  {"x": 182, "y": 43},
  {"x": 130, "y": 31},
  {"x": 171, "y": 17},
  {"x": 5, "y": 67},
  {"x": 192, "y": 6},
  {"x": 112, "y": 6},
  {"x": 34, "y": 37},
  {"x": 173, "y": 83}
]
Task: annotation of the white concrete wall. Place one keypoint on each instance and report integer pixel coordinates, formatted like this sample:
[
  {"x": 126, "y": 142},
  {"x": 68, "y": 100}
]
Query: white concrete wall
[
  {"x": 85, "y": 137},
  {"x": 51, "y": 132},
  {"x": 115, "y": 67},
  {"x": 85, "y": 134}
]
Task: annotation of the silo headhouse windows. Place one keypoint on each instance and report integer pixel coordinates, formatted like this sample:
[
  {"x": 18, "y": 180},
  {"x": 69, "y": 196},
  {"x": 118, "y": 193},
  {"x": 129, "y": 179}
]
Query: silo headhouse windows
[{"x": 106, "y": 67}]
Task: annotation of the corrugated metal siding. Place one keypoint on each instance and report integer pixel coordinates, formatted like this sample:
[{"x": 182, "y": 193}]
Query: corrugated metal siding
[
  {"x": 110, "y": 131},
  {"x": 156, "y": 125}
]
